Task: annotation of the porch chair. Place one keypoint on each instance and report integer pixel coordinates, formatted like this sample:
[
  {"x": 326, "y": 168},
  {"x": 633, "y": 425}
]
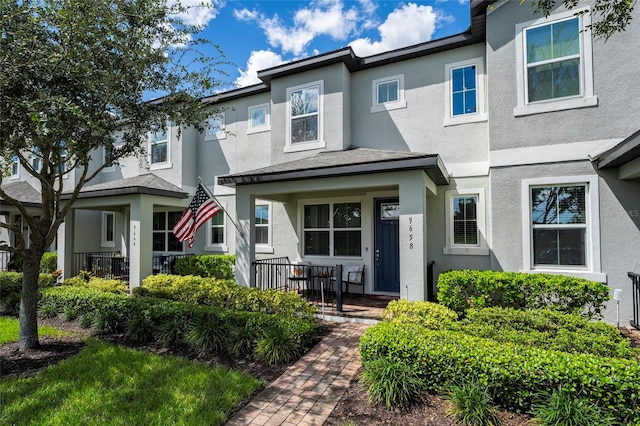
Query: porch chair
[
  {"x": 353, "y": 274},
  {"x": 299, "y": 272}
]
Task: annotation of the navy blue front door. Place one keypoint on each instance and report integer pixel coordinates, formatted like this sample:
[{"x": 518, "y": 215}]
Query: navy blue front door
[{"x": 387, "y": 245}]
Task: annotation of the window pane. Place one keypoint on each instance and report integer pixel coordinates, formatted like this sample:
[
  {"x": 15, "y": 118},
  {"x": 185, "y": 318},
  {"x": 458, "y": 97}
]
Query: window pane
[
  {"x": 346, "y": 215},
  {"x": 262, "y": 235},
  {"x": 458, "y": 103},
  {"x": 316, "y": 242},
  {"x": 258, "y": 117},
  {"x": 470, "y": 77},
  {"x": 217, "y": 235},
  {"x": 158, "y": 241},
  {"x": 159, "y": 221},
  {"x": 566, "y": 39},
  {"x": 215, "y": 124},
  {"x": 173, "y": 219},
  {"x": 304, "y": 101},
  {"x": 539, "y": 44},
  {"x": 218, "y": 219},
  {"x": 304, "y": 129},
  {"x": 559, "y": 246},
  {"x": 158, "y": 152},
  {"x": 559, "y": 205},
  {"x": 174, "y": 243},
  {"x": 457, "y": 79},
  {"x": 159, "y": 136},
  {"x": 388, "y": 92},
  {"x": 262, "y": 215},
  {"x": 346, "y": 243},
  {"x": 470, "y": 101},
  {"x": 109, "y": 227},
  {"x": 554, "y": 80},
  {"x": 316, "y": 216}
]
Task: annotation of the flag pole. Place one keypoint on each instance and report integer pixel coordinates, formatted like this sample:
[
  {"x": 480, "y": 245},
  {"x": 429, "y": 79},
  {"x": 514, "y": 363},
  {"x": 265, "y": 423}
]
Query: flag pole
[{"x": 210, "y": 194}]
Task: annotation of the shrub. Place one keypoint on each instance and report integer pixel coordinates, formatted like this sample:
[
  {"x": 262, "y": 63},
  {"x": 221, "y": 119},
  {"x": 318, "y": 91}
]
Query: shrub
[
  {"x": 471, "y": 405},
  {"x": 392, "y": 382},
  {"x": 11, "y": 288},
  {"x": 461, "y": 290},
  {"x": 563, "y": 408},
  {"x": 207, "y": 266},
  {"x": 427, "y": 314},
  {"x": 207, "y": 333},
  {"x": 548, "y": 330},
  {"x": 278, "y": 346},
  {"x": 102, "y": 284},
  {"x": 242, "y": 339},
  {"x": 515, "y": 372},
  {"x": 49, "y": 262}
]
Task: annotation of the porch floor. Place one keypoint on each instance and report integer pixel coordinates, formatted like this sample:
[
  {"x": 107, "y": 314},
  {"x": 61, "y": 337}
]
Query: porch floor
[{"x": 362, "y": 308}]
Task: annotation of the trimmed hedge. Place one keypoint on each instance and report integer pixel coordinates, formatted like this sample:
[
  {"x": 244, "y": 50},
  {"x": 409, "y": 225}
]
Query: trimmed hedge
[
  {"x": 515, "y": 374},
  {"x": 102, "y": 284},
  {"x": 430, "y": 315},
  {"x": 49, "y": 262},
  {"x": 169, "y": 323},
  {"x": 548, "y": 330},
  {"x": 223, "y": 293},
  {"x": 11, "y": 288},
  {"x": 207, "y": 265},
  {"x": 461, "y": 290}
]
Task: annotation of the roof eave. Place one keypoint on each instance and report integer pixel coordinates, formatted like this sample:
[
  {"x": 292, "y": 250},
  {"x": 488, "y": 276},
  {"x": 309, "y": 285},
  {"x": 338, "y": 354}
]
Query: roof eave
[
  {"x": 626, "y": 151},
  {"x": 137, "y": 190}
]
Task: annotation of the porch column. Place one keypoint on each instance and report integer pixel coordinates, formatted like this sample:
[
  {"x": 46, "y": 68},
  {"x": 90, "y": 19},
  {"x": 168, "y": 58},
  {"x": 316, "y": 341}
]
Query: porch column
[
  {"x": 140, "y": 240},
  {"x": 413, "y": 238},
  {"x": 66, "y": 247},
  {"x": 245, "y": 237}
]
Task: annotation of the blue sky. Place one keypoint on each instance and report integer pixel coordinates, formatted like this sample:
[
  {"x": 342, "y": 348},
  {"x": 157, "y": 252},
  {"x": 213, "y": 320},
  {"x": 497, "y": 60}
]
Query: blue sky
[{"x": 255, "y": 35}]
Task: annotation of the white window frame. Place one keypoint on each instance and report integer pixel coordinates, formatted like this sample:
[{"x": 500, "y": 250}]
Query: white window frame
[
  {"x": 592, "y": 270},
  {"x": 261, "y": 128},
  {"x": 480, "y": 114},
  {"x": 331, "y": 229},
  {"x": 105, "y": 242},
  {"x": 586, "y": 98},
  {"x": 209, "y": 134},
  {"x": 268, "y": 247},
  {"x": 35, "y": 158},
  {"x": 15, "y": 168},
  {"x": 315, "y": 144},
  {"x": 112, "y": 167},
  {"x": 165, "y": 164},
  {"x": 480, "y": 249},
  {"x": 376, "y": 105},
  {"x": 222, "y": 247}
]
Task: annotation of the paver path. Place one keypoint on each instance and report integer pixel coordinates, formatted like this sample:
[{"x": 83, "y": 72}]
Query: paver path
[{"x": 308, "y": 391}]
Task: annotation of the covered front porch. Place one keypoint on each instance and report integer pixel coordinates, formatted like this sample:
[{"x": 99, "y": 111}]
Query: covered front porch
[{"x": 358, "y": 207}]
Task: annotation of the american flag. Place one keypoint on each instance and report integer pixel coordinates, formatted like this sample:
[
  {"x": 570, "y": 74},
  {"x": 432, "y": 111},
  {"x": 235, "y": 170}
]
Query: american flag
[{"x": 201, "y": 209}]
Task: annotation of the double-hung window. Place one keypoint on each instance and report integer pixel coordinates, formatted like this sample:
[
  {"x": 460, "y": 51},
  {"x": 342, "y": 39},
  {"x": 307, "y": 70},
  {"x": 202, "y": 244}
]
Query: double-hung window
[
  {"x": 217, "y": 234},
  {"x": 388, "y": 94},
  {"x": 304, "y": 114},
  {"x": 466, "y": 222},
  {"x": 262, "y": 226},
  {"x": 554, "y": 60},
  {"x": 561, "y": 228},
  {"x": 215, "y": 128},
  {"x": 159, "y": 147},
  {"x": 258, "y": 120},
  {"x": 163, "y": 238},
  {"x": 15, "y": 167},
  {"x": 108, "y": 229},
  {"x": 332, "y": 229},
  {"x": 464, "y": 100}
]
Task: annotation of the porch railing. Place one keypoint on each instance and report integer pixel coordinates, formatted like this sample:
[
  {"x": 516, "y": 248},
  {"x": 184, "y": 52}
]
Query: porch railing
[
  {"x": 110, "y": 264},
  {"x": 319, "y": 284},
  {"x": 6, "y": 261},
  {"x": 635, "y": 290},
  {"x": 165, "y": 264}
]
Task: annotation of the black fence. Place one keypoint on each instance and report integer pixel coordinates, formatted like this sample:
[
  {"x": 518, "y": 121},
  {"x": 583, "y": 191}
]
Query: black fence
[
  {"x": 635, "y": 282},
  {"x": 109, "y": 264},
  {"x": 318, "y": 284},
  {"x": 166, "y": 264}
]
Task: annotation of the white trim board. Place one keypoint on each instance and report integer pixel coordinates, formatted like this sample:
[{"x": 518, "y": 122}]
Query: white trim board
[{"x": 550, "y": 153}]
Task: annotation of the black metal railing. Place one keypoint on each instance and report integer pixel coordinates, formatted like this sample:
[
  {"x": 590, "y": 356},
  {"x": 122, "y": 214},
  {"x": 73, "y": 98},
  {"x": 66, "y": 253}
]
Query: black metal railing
[
  {"x": 635, "y": 283},
  {"x": 315, "y": 283},
  {"x": 6, "y": 261},
  {"x": 166, "y": 263},
  {"x": 110, "y": 264}
]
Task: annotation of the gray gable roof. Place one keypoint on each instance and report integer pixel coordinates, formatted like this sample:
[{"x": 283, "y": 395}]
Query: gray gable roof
[
  {"x": 23, "y": 192},
  {"x": 144, "y": 184},
  {"x": 353, "y": 161},
  {"x": 626, "y": 151}
]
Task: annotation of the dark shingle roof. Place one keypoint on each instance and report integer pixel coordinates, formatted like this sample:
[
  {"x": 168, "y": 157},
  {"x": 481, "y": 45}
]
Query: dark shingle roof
[
  {"x": 23, "y": 192},
  {"x": 143, "y": 184},
  {"x": 626, "y": 151}
]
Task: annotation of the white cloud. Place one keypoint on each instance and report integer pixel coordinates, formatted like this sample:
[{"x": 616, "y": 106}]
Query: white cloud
[
  {"x": 259, "y": 60},
  {"x": 245, "y": 15},
  {"x": 197, "y": 14},
  {"x": 408, "y": 25}
]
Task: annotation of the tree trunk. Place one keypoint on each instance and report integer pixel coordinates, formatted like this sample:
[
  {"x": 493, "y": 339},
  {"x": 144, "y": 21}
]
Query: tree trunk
[{"x": 29, "y": 302}]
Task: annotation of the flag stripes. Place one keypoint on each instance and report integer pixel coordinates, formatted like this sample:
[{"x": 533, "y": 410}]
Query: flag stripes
[{"x": 200, "y": 210}]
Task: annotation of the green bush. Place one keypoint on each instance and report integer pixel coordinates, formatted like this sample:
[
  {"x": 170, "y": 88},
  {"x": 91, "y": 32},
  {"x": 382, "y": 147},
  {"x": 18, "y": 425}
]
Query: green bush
[
  {"x": 49, "y": 262},
  {"x": 207, "y": 266},
  {"x": 392, "y": 382},
  {"x": 563, "y": 408},
  {"x": 461, "y": 290},
  {"x": 427, "y": 314},
  {"x": 472, "y": 405},
  {"x": 11, "y": 288},
  {"x": 548, "y": 330},
  {"x": 223, "y": 293},
  {"x": 516, "y": 373},
  {"x": 102, "y": 284},
  {"x": 278, "y": 346}
]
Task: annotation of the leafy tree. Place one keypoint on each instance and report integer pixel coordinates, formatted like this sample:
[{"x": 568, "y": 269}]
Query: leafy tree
[
  {"x": 615, "y": 15},
  {"x": 74, "y": 77}
]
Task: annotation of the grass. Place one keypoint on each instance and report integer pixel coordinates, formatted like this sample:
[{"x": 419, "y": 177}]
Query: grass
[
  {"x": 9, "y": 328},
  {"x": 107, "y": 384}
]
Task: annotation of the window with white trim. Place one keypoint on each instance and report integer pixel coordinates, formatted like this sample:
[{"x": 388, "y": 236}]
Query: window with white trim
[
  {"x": 107, "y": 158},
  {"x": 15, "y": 167},
  {"x": 263, "y": 225},
  {"x": 388, "y": 93},
  {"x": 108, "y": 229},
  {"x": 466, "y": 223},
  {"x": 554, "y": 63},
  {"x": 164, "y": 241},
  {"x": 464, "y": 87},
  {"x": 36, "y": 162},
  {"x": 332, "y": 229},
  {"x": 215, "y": 128},
  {"x": 259, "y": 118},
  {"x": 561, "y": 227},
  {"x": 216, "y": 233},
  {"x": 304, "y": 117},
  {"x": 159, "y": 147}
]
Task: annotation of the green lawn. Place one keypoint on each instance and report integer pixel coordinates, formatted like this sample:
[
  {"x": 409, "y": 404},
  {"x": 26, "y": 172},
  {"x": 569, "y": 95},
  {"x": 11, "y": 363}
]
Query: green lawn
[
  {"x": 110, "y": 385},
  {"x": 9, "y": 330}
]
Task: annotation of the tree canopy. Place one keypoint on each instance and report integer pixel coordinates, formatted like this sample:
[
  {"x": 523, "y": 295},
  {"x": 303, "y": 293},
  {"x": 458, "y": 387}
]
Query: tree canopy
[{"x": 75, "y": 76}]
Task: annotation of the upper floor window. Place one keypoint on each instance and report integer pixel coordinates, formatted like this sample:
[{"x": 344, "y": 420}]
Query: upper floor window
[
  {"x": 336, "y": 234},
  {"x": 388, "y": 93},
  {"x": 36, "y": 163},
  {"x": 466, "y": 222},
  {"x": 464, "y": 101},
  {"x": 164, "y": 239},
  {"x": 258, "y": 118},
  {"x": 215, "y": 128},
  {"x": 159, "y": 147},
  {"x": 15, "y": 167},
  {"x": 304, "y": 110},
  {"x": 554, "y": 60}
]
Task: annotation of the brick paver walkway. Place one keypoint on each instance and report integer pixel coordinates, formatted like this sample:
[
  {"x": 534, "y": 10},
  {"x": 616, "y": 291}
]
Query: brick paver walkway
[{"x": 308, "y": 391}]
